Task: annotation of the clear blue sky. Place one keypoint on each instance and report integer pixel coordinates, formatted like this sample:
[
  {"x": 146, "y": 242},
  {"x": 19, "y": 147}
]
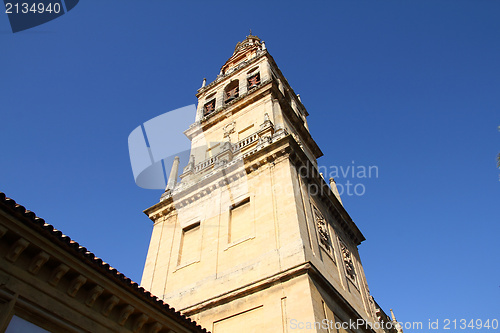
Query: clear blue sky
[{"x": 411, "y": 87}]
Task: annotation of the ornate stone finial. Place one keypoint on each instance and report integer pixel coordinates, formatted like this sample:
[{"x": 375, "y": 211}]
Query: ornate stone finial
[
  {"x": 335, "y": 190},
  {"x": 267, "y": 123},
  {"x": 396, "y": 323},
  {"x": 393, "y": 316},
  {"x": 250, "y": 32},
  {"x": 298, "y": 96},
  {"x": 263, "y": 45},
  {"x": 172, "y": 180},
  {"x": 204, "y": 82}
]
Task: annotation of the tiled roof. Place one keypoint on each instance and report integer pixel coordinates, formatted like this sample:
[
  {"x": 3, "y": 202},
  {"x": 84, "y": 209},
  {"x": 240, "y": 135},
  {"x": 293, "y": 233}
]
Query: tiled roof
[{"x": 72, "y": 247}]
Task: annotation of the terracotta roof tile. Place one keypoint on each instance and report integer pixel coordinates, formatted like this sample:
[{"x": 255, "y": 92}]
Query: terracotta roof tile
[{"x": 30, "y": 219}]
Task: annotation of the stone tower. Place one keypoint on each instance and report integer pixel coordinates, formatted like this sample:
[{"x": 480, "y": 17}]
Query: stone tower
[{"x": 253, "y": 239}]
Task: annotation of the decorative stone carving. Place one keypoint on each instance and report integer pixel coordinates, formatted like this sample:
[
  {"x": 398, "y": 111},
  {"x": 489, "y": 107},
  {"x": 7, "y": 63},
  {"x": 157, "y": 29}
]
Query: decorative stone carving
[
  {"x": 155, "y": 328},
  {"x": 267, "y": 124},
  {"x": 93, "y": 294},
  {"x": 324, "y": 236},
  {"x": 225, "y": 156},
  {"x": 297, "y": 139},
  {"x": 57, "y": 274},
  {"x": 190, "y": 166},
  {"x": 229, "y": 129},
  {"x": 109, "y": 305},
  {"x": 3, "y": 231},
  {"x": 37, "y": 262},
  {"x": 349, "y": 265},
  {"x": 16, "y": 249},
  {"x": 265, "y": 140},
  {"x": 76, "y": 284},
  {"x": 280, "y": 133},
  {"x": 139, "y": 322},
  {"x": 124, "y": 314}
]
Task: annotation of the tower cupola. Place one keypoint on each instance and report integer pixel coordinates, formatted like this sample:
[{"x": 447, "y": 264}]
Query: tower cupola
[{"x": 243, "y": 51}]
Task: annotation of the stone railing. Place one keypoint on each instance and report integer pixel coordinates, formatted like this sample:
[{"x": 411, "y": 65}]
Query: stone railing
[
  {"x": 242, "y": 144},
  {"x": 205, "y": 164}
]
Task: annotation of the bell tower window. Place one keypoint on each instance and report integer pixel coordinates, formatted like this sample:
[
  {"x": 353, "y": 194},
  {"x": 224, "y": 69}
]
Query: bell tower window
[
  {"x": 232, "y": 91},
  {"x": 253, "y": 81},
  {"x": 209, "y": 107}
]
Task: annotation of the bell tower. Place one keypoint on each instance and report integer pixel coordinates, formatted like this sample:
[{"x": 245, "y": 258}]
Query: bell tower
[{"x": 252, "y": 238}]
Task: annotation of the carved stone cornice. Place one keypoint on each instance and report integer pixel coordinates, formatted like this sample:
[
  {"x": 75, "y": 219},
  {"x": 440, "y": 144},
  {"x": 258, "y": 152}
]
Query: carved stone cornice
[
  {"x": 249, "y": 289},
  {"x": 220, "y": 177},
  {"x": 269, "y": 281}
]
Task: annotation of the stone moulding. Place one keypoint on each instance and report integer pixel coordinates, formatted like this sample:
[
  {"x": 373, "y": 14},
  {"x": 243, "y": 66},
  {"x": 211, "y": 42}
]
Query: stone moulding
[
  {"x": 281, "y": 277},
  {"x": 251, "y": 161}
]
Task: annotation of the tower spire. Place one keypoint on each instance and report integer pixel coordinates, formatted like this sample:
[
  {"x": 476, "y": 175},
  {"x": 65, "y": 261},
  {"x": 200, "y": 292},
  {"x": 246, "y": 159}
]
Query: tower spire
[{"x": 244, "y": 206}]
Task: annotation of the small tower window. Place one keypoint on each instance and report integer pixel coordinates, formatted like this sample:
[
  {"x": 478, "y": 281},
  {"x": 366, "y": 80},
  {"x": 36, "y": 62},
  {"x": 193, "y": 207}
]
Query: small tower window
[
  {"x": 232, "y": 91},
  {"x": 253, "y": 81},
  {"x": 190, "y": 247},
  {"x": 209, "y": 107},
  {"x": 240, "y": 221}
]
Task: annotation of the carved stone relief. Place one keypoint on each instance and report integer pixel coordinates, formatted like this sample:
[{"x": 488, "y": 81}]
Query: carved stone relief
[
  {"x": 229, "y": 129},
  {"x": 349, "y": 265},
  {"x": 324, "y": 236}
]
